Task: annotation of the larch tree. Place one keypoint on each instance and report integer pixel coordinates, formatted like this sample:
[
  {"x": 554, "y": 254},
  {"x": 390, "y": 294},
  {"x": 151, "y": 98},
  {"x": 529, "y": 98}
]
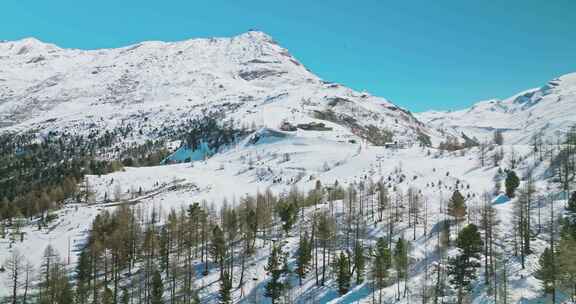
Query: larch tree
[{"x": 14, "y": 266}]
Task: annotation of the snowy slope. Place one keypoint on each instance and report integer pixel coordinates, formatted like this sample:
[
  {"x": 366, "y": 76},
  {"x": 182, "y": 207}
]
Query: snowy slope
[
  {"x": 249, "y": 76},
  {"x": 255, "y": 81},
  {"x": 547, "y": 111}
]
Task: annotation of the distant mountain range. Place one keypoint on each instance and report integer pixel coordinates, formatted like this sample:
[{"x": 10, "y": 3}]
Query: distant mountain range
[{"x": 545, "y": 112}]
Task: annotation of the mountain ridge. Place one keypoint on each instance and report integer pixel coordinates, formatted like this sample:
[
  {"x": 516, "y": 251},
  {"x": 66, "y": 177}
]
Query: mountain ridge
[
  {"x": 545, "y": 112},
  {"x": 53, "y": 88}
]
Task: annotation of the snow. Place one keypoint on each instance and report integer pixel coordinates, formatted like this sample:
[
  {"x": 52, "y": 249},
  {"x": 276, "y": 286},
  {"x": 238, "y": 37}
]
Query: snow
[
  {"x": 158, "y": 84},
  {"x": 548, "y": 110},
  {"x": 185, "y": 154},
  {"x": 227, "y": 176}
]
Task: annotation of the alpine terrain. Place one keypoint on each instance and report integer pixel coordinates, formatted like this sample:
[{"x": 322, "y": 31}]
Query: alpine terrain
[{"x": 222, "y": 170}]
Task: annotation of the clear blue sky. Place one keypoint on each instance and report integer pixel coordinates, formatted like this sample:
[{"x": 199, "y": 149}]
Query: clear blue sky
[{"x": 425, "y": 54}]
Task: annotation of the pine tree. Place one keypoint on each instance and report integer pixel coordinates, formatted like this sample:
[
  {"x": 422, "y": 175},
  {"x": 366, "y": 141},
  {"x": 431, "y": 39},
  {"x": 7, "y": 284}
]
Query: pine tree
[
  {"x": 567, "y": 265},
  {"x": 275, "y": 268},
  {"x": 469, "y": 241},
  {"x": 457, "y": 206},
  {"x": 498, "y": 138},
  {"x": 382, "y": 262},
  {"x": 218, "y": 248},
  {"x": 343, "y": 274},
  {"x": 287, "y": 211},
  {"x": 571, "y": 207},
  {"x": 125, "y": 298},
  {"x": 66, "y": 294},
  {"x": 401, "y": 263},
  {"x": 108, "y": 296},
  {"x": 512, "y": 182},
  {"x": 304, "y": 256},
  {"x": 157, "y": 291},
  {"x": 225, "y": 289},
  {"x": 546, "y": 271},
  {"x": 83, "y": 277},
  {"x": 462, "y": 268},
  {"x": 359, "y": 262}
]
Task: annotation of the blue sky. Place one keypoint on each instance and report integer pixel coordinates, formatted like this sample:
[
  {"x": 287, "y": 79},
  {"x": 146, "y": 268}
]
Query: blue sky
[{"x": 420, "y": 54}]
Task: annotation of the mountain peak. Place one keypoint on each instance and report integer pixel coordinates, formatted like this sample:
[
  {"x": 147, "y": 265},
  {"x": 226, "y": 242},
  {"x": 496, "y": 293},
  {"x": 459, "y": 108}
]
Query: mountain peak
[
  {"x": 25, "y": 46},
  {"x": 256, "y": 35}
]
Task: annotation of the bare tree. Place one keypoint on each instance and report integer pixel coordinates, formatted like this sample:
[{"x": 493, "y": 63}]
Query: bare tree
[{"x": 14, "y": 266}]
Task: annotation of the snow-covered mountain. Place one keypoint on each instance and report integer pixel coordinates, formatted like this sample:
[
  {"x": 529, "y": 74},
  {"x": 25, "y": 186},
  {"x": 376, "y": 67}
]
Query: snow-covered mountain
[
  {"x": 547, "y": 111},
  {"x": 249, "y": 77}
]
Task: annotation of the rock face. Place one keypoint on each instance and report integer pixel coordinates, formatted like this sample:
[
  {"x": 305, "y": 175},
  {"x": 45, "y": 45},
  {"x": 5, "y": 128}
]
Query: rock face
[
  {"x": 545, "y": 112},
  {"x": 248, "y": 77}
]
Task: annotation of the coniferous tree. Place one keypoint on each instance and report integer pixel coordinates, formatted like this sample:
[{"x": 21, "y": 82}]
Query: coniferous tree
[
  {"x": 275, "y": 268},
  {"x": 498, "y": 138},
  {"x": 225, "y": 289},
  {"x": 512, "y": 182},
  {"x": 125, "y": 298},
  {"x": 107, "y": 296},
  {"x": 304, "y": 256},
  {"x": 157, "y": 290},
  {"x": 401, "y": 264},
  {"x": 567, "y": 265},
  {"x": 83, "y": 272},
  {"x": 462, "y": 268},
  {"x": 287, "y": 211},
  {"x": 359, "y": 262},
  {"x": 382, "y": 262},
  {"x": 457, "y": 206},
  {"x": 547, "y": 271},
  {"x": 571, "y": 207},
  {"x": 343, "y": 274},
  {"x": 218, "y": 248}
]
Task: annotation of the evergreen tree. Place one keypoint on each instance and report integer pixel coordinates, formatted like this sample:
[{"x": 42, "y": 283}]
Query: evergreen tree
[
  {"x": 218, "y": 248},
  {"x": 304, "y": 256},
  {"x": 401, "y": 263},
  {"x": 469, "y": 241},
  {"x": 382, "y": 262},
  {"x": 67, "y": 293},
  {"x": 512, "y": 182},
  {"x": 567, "y": 265},
  {"x": 547, "y": 271},
  {"x": 225, "y": 289},
  {"x": 108, "y": 296},
  {"x": 359, "y": 262},
  {"x": 275, "y": 268},
  {"x": 498, "y": 138},
  {"x": 83, "y": 272},
  {"x": 125, "y": 298},
  {"x": 462, "y": 268},
  {"x": 288, "y": 212},
  {"x": 457, "y": 206},
  {"x": 157, "y": 291},
  {"x": 343, "y": 274},
  {"x": 571, "y": 208}
]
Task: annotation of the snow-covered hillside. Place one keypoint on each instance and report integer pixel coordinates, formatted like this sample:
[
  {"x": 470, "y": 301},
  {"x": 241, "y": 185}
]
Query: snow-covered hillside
[
  {"x": 249, "y": 77},
  {"x": 547, "y": 112},
  {"x": 347, "y": 155}
]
